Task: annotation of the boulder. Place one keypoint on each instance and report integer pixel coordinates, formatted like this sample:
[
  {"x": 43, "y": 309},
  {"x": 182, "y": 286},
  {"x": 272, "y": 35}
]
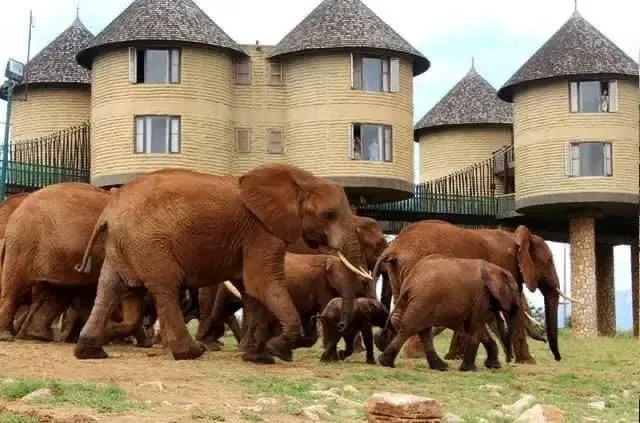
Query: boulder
[{"x": 390, "y": 407}]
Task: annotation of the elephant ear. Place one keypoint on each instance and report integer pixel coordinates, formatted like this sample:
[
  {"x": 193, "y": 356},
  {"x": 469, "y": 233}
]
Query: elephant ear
[
  {"x": 368, "y": 307},
  {"x": 498, "y": 285},
  {"x": 525, "y": 260},
  {"x": 271, "y": 192}
]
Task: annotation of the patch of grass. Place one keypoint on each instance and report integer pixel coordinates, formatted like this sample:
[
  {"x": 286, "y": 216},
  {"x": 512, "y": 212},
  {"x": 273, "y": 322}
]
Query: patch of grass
[
  {"x": 251, "y": 417},
  {"x": 208, "y": 416},
  {"x": 16, "y": 418},
  {"x": 103, "y": 398}
]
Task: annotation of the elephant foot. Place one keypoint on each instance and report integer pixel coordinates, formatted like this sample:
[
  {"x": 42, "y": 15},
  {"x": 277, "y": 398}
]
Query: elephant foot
[
  {"x": 89, "y": 349},
  {"x": 468, "y": 367},
  {"x": 342, "y": 354},
  {"x": 6, "y": 336},
  {"x": 386, "y": 360},
  {"x": 328, "y": 357},
  {"x": 279, "y": 347},
  {"x": 213, "y": 345},
  {"x": 453, "y": 356},
  {"x": 492, "y": 364},
  {"x": 196, "y": 349},
  {"x": 146, "y": 343},
  {"x": 258, "y": 358},
  {"x": 371, "y": 360},
  {"x": 438, "y": 365},
  {"x": 525, "y": 360},
  {"x": 42, "y": 336}
]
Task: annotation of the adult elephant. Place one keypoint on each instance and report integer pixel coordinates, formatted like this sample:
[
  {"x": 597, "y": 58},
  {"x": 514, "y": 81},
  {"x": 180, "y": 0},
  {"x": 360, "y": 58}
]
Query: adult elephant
[
  {"x": 524, "y": 254},
  {"x": 176, "y": 227}
]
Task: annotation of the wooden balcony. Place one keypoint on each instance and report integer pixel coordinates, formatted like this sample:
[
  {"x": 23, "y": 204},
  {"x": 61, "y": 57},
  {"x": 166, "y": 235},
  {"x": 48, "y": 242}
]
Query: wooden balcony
[{"x": 502, "y": 157}]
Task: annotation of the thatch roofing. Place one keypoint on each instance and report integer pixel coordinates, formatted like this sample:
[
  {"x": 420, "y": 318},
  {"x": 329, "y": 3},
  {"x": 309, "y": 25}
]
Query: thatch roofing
[
  {"x": 472, "y": 101},
  {"x": 156, "y": 21},
  {"x": 576, "y": 49},
  {"x": 339, "y": 24}
]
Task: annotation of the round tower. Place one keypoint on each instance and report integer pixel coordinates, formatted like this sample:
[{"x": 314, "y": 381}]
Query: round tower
[
  {"x": 576, "y": 154},
  {"x": 162, "y": 93},
  {"x": 468, "y": 124},
  {"x": 56, "y": 93},
  {"x": 349, "y": 100}
]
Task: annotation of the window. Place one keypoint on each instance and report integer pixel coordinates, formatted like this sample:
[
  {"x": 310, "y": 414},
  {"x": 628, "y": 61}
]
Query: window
[
  {"x": 275, "y": 74},
  {"x": 157, "y": 134},
  {"x": 243, "y": 140},
  {"x": 154, "y": 66},
  {"x": 589, "y": 158},
  {"x": 594, "y": 96},
  {"x": 242, "y": 71},
  {"x": 373, "y": 73},
  {"x": 370, "y": 142},
  {"x": 275, "y": 142}
]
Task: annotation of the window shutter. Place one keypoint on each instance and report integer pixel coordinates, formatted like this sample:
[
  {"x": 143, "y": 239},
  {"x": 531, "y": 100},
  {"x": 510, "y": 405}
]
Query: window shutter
[
  {"x": 568, "y": 159},
  {"x": 356, "y": 71},
  {"x": 133, "y": 65},
  {"x": 574, "y": 96},
  {"x": 275, "y": 142},
  {"x": 139, "y": 135},
  {"x": 606, "y": 147},
  {"x": 388, "y": 144},
  {"x": 395, "y": 74},
  {"x": 174, "y": 146},
  {"x": 243, "y": 140},
  {"x": 386, "y": 78},
  {"x": 613, "y": 96},
  {"x": 175, "y": 66}
]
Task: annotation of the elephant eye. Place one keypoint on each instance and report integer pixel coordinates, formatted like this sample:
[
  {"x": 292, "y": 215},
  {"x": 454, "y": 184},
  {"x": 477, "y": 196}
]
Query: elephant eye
[{"x": 329, "y": 215}]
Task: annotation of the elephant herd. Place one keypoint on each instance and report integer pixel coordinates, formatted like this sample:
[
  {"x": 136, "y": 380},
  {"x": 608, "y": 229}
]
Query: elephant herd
[{"x": 277, "y": 242}]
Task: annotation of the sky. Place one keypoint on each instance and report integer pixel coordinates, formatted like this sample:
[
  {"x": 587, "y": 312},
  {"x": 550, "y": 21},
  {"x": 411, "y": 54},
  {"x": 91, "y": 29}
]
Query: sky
[{"x": 500, "y": 34}]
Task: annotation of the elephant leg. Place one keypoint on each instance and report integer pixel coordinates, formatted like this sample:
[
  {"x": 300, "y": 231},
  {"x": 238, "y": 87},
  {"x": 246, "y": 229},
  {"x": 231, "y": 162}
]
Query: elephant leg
[
  {"x": 257, "y": 333},
  {"x": 470, "y": 353},
  {"x": 414, "y": 348},
  {"x": 348, "y": 337},
  {"x": 492, "y": 361},
  {"x": 388, "y": 356},
  {"x": 109, "y": 294},
  {"x": 132, "y": 312},
  {"x": 433, "y": 359},
  {"x": 457, "y": 345},
  {"x": 12, "y": 287},
  {"x": 70, "y": 326},
  {"x": 180, "y": 342},
  {"x": 357, "y": 344},
  {"x": 520, "y": 346},
  {"x": 235, "y": 327},
  {"x": 367, "y": 337},
  {"x": 47, "y": 305},
  {"x": 21, "y": 315},
  {"x": 310, "y": 333},
  {"x": 332, "y": 337}
]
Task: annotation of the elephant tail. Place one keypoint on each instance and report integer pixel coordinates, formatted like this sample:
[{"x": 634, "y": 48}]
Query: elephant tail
[
  {"x": 387, "y": 255},
  {"x": 85, "y": 266},
  {"x": 1, "y": 260}
]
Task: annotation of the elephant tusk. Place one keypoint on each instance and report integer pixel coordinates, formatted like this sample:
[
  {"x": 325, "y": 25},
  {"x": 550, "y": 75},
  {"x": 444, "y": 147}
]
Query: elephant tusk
[
  {"x": 530, "y": 317},
  {"x": 503, "y": 319},
  {"x": 568, "y": 298},
  {"x": 232, "y": 289},
  {"x": 354, "y": 269}
]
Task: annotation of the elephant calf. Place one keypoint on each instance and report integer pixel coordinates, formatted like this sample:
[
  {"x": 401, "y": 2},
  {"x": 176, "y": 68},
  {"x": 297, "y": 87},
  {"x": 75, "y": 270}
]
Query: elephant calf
[
  {"x": 457, "y": 293},
  {"x": 368, "y": 312}
]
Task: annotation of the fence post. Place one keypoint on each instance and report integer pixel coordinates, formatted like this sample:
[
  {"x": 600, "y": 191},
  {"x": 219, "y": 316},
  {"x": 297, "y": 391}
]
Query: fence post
[{"x": 5, "y": 146}]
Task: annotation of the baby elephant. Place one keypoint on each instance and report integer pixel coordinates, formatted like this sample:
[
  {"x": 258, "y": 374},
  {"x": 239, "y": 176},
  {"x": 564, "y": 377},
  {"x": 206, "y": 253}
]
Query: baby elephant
[
  {"x": 367, "y": 311},
  {"x": 457, "y": 293}
]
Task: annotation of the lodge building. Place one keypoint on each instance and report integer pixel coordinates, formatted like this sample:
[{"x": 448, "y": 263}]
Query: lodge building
[{"x": 163, "y": 85}]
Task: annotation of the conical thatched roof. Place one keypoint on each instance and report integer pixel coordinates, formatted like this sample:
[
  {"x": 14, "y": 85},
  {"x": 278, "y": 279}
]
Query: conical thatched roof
[
  {"x": 472, "y": 101},
  {"x": 339, "y": 24},
  {"x": 159, "y": 20},
  {"x": 577, "y": 48}
]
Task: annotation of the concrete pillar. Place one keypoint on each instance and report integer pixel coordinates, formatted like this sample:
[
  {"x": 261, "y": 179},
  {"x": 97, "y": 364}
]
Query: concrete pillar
[
  {"x": 635, "y": 288},
  {"x": 605, "y": 291},
  {"x": 582, "y": 238}
]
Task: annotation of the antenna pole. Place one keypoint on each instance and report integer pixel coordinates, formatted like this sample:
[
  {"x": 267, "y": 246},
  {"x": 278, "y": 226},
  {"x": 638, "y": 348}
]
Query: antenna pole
[
  {"x": 575, "y": 5},
  {"x": 26, "y": 73}
]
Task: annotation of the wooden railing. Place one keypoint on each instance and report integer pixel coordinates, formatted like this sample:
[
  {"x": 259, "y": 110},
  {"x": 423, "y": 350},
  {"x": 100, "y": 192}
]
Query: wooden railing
[
  {"x": 62, "y": 156},
  {"x": 502, "y": 158}
]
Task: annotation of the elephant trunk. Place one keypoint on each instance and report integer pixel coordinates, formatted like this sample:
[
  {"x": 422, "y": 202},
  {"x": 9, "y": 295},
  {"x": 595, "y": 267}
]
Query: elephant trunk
[
  {"x": 386, "y": 295},
  {"x": 551, "y": 299},
  {"x": 512, "y": 321}
]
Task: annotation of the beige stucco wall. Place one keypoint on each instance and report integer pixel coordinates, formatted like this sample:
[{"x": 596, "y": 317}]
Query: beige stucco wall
[
  {"x": 320, "y": 107},
  {"x": 48, "y": 110},
  {"x": 449, "y": 150},
  {"x": 542, "y": 127},
  {"x": 203, "y": 99},
  {"x": 260, "y": 107}
]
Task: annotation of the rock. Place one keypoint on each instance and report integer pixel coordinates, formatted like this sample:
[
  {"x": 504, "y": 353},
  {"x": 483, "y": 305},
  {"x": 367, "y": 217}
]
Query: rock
[
  {"x": 534, "y": 414},
  {"x": 38, "y": 395},
  {"x": 626, "y": 393},
  {"x": 452, "y": 418},
  {"x": 552, "y": 413},
  {"x": 597, "y": 405},
  {"x": 499, "y": 416},
  {"x": 492, "y": 388},
  {"x": 318, "y": 410},
  {"x": 167, "y": 403},
  {"x": 311, "y": 416},
  {"x": 350, "y": 389},
  {"x": 156, "y": 385},
  {"x": 389, "y": 407},
  {"x": 328, "y": 393},
  {"x": 519, "y": 406},
  {"x": 347, "y": 402},
  {"x": 83, "y": 418}
]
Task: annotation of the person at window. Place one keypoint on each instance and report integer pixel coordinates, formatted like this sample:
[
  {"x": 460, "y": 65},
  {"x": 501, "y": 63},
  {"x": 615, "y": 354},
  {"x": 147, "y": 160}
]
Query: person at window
[
  {"x": 374, "y": 150},
  {"x": 357, "y": 148},
  {"x": 604, "y": 101}
]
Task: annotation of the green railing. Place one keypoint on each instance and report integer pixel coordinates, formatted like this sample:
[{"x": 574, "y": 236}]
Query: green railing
[
  {"x": 439, "y": 204},
  {"x": 38, "y": 176}
]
